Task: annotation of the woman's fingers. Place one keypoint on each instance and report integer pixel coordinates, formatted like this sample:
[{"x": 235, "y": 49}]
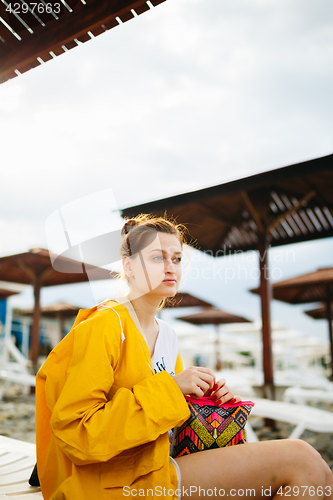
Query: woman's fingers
[
  {"x": 222, "y": 393},
  {"x": 207, "y": 375},
  {"x": 200, "y": 381},
  {"x": 207, "y": 378},
  {"x": 203, "y": 378},
  {"x": 195, "y": 380},
  {"x": 217, "y": 385},
  {"x": 204, "y": 382},
  {"x": 197, "y": 392},
  {"x": 224, "y": 396},
  {"x": 229, "y": 398}
]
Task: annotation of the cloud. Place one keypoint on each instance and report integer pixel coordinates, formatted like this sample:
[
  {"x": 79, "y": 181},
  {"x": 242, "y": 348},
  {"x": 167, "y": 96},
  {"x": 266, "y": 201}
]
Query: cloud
[{"x": 190, "y": 94}]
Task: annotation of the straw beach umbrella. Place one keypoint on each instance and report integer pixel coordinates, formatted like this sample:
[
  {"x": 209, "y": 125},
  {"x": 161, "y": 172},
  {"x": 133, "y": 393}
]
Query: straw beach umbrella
[
  {"x": 320, "y": 312},
  {"x": 58, "y": 27},
  {"x": 4, "y": 294},
  {"x": 37, "y": 268},
  {"x": 282, "y": 206},
  {"x": 59, "y": 311},
  {"x": 323, "y": 312},
  {"x": 183, "y": 299},
  {"x": 214, "y": 316},
  {"x": 312, "y": 287}
]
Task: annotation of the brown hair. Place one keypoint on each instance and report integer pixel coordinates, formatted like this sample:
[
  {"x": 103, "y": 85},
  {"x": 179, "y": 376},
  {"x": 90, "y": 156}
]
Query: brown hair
[{"x": 139, "y": 231}]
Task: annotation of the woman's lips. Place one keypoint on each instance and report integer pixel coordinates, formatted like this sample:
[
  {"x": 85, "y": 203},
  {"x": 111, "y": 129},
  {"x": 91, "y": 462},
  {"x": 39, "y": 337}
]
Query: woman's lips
[{"x": 171, "y": 282}]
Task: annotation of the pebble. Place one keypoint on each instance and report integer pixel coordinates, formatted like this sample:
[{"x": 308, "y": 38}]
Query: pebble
[
  {"x": 321, "y": 442},
  {"x": 17, "y": 414},
  {"x": 17, "y": 421}
]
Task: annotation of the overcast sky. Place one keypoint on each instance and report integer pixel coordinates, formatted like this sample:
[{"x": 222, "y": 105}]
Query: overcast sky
[{"x": 190, "y": 94}]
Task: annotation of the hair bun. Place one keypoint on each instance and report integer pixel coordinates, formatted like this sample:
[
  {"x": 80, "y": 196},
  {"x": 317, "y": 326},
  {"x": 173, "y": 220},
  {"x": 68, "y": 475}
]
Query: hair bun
[{"x": 129, "y": 224}]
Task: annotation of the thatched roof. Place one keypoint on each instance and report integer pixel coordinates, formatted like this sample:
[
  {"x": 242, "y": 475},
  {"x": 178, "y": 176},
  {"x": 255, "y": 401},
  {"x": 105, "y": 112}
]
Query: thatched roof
[{"x": 40, "y": 31}]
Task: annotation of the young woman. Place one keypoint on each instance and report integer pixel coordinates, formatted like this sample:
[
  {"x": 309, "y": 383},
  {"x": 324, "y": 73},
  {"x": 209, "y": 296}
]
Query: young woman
[{"x": 112, "y": 389}]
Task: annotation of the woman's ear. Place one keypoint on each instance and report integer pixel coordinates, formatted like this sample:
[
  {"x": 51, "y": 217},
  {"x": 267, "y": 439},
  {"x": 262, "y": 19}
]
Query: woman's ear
[{"x": 127, "y": 267}]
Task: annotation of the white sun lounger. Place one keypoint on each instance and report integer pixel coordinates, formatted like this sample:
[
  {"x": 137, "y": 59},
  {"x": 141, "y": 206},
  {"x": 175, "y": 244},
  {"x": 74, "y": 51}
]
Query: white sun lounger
[
  {"x": 10, "y": 377},
  {"x": 300, "y": 395},
  {"x": 302, "y": 416},
  {"x": 17, "y": 460}
]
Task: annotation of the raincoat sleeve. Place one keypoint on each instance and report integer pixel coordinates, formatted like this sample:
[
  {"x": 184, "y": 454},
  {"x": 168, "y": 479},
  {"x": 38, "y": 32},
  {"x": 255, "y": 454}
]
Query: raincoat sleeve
[
  {"x": 179, "y": 365},
  {"x": 90, "y": 427}
]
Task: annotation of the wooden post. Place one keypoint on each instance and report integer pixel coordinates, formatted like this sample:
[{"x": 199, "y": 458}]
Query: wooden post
[
  {"x": 61, "y": 320},
  {"x": 266, "y": 295},
  {"x": 330, "y": 330},
  {"x": 218, "y": 362},
  {"x": 34, "y": 346}
]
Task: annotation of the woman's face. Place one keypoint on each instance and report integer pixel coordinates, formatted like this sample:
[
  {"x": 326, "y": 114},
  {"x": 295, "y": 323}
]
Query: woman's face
[{"x": 156, "y": 269}]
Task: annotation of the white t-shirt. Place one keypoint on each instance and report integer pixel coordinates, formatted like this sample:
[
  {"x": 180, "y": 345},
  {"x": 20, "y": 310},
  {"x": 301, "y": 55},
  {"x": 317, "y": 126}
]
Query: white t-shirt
[
  {"x": 166, "y": 345},
  {"x": 166, "y": 348},
  {"x": 165, "y": 356}
]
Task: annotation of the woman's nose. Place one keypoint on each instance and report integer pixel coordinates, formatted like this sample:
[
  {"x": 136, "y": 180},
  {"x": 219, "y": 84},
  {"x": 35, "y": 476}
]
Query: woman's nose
[{"x": 169, "y": 265}]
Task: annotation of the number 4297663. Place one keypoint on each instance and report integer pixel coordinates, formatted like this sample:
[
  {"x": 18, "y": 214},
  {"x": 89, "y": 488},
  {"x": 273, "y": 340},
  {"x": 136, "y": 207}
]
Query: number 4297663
[
  {"x": 37, "y": 7},
  {"x": 289, "y": 491}
]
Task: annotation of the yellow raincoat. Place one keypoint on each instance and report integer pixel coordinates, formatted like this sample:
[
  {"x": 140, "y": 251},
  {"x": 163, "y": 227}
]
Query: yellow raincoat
[{"x": 102, "y": 417}]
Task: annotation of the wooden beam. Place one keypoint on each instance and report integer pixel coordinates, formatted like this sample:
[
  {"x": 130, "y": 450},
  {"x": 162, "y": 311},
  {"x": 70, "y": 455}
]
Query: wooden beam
[
  {"x": 325, "y": 233},
  {"x": 8, "y": 40},
  {"x": 126, "y": 17},
  {"x": 3, "y": 48},
  {"x": 46, "y": 274},
  {"x": 92, "y": 16},
  {"x": 217, "y": 216},
  {"x": 266, "y": 297},
  {"x": 28, "y": 271},
  {"x": 330, "y": 332},
  {"x": 306, "y": 198},
  {"x": 34, "y": 346},
  {"x": 141, "y": 9},
  {"x": 253, "y": 211}
]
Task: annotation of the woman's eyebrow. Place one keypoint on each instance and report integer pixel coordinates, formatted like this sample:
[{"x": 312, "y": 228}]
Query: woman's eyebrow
[{"x": 163, "y": 251}]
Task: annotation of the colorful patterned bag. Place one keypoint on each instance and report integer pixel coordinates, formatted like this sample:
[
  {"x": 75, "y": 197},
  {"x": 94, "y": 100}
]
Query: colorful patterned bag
[{"x": 211, "y": 425}]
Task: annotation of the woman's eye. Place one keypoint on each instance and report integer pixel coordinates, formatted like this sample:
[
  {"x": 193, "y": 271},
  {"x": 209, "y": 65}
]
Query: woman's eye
[{"x": 177, "y": 260}]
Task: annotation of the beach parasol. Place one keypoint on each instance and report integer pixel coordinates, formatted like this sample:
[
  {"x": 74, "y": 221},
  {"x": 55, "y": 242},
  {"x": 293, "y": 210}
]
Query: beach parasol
[
  {"x": 183, "y": 299},
  {"x": 312, "y": 287},
  {"x": 278, "y": 207},
  {"x": 60, "y": 311},
  {"x": 4, "y": 294},
  {"x": 214, "y": 316},
  {"x": 57, "y": 27},
  {"x": 320, "y": 312},
  {"x": 36, "y": 268}
]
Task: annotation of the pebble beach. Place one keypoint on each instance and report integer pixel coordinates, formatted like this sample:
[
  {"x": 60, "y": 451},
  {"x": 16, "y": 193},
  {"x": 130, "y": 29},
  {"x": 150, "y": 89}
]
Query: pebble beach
[{"x": 17, "y": 421}]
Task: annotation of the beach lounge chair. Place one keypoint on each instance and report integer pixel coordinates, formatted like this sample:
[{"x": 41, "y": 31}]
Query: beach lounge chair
[
  {"x": 17, "y": 459},
  {"x": 302, "y": 416},
  {"x": 301, "y": 395},
  {"x": 16, "y": 371},
  {"x": 24, "y": 379}
]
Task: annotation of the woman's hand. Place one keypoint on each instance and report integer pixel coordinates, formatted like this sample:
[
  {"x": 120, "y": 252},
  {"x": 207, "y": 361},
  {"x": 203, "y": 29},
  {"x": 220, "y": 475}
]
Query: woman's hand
[
  {"x": 195, "y": 381},
  {"x": 222, "y": 393}
]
